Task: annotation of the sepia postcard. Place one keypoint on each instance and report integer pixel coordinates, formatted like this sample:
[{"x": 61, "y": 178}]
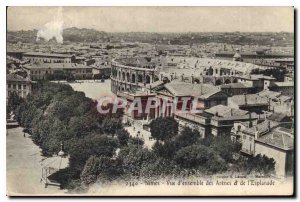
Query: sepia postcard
[{"x": 150, "y": 101}]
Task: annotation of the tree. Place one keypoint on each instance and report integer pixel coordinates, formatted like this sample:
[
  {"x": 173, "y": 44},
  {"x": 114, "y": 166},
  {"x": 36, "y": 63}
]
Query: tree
[
  {"x": 193, "y": 156},
  {"x": 123, "y": 136},
  {"x": 261, "y": 164},
  {"x": 100, "y": 167},
  {"x": 225, "y": 147},
  {"x": 164, "y": 128},
  {"x": 136, "y": 141},
  {"x": 111, "y": 125},
  {"x": 165, "y": 149},
  {"x": 276, "y": 73},
  {"x": 13, "y": 102},
  {"x": 134, "y": 157},
  {"x": 200, "y": 156},
  {"x": 80, "y": 149},
  {"x": 187, "y": 137}
]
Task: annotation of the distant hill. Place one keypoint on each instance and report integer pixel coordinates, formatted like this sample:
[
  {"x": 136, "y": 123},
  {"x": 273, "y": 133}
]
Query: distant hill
[
  {"x": 72, "y": 34},
  {"x": 75, "y": 34}
]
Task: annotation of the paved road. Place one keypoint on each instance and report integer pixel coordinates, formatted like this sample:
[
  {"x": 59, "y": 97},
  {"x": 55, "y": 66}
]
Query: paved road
[
  {"x": 143, "y": 134},
  {"x": 23, "y": 166}
]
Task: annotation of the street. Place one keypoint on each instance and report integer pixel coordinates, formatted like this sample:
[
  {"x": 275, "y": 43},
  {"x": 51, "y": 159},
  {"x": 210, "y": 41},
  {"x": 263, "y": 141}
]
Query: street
[{"x": 23, "y": 166}]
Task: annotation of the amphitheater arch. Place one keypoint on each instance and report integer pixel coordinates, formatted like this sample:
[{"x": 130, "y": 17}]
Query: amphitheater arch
[
  {"x": 140, "y": 78},
  {"x": 133, "y": 78},
  {"x": 123, "y": 76},
  {"x": 128, "y": 77},
  {"x": 166, "y": 80},
  {"x": 218, "y": 82},
  {"x": 148, "y": 79},
  {"x": 227, "y": 81},
  {"x": 197, "y": 81}
]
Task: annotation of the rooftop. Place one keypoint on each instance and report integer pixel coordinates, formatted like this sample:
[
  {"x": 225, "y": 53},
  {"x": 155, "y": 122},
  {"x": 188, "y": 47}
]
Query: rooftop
[
  {"x": 56, "y": 66},
  {"x": 47, "y": 55},
  {"x": 279, "y": 117},
  {"x": 249, "y": 99},
  {"x": 225, "y": 111},
  {"x": 188, "y": 89},
  {"x": 278, "y": 139},
  {"x": 253, "y": 77},
  {"x": 15, "y": 77},
  {"x": 235, "y": 85},
  {"x": 284, "y": 84}
]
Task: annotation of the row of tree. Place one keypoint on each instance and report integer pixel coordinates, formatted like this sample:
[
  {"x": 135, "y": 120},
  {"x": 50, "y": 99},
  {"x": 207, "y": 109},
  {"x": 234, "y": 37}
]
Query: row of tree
[{"x": 99, "y": 147}]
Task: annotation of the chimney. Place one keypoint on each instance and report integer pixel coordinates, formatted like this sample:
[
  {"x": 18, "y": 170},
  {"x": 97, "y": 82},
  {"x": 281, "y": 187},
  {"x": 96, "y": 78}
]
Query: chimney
[
  {"x": 256, "y": 132},
  {"x": 172, "y": 77},
  {"x": 193, "y": 78},
  {"x": 231, "y": 111},
  {"x": 182, "y": 78},
  {"x": 269, "y": 125}
]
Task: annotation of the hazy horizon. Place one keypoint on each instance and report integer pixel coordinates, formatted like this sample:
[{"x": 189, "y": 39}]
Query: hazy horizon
[{"x": 157, "y": 19}]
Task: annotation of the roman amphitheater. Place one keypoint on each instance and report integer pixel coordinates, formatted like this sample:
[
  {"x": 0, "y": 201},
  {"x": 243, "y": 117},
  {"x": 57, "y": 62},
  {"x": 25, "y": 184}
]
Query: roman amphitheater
[{"x": 136, "y": 74}]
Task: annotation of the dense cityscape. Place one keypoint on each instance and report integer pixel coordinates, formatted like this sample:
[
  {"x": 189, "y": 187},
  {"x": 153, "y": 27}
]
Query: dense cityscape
[{"x": 241, "y": 84}]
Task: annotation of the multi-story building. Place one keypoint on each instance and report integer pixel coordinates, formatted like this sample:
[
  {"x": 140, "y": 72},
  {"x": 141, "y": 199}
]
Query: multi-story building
[
  {"x": 279, "y": 103},
  {"x": 216, "y": 121},
  {"x": 18, "y": 85},
  {"x": 237, "y": 89},
  {"x": 273, "y": 141},
  {"x": 286, "y": 88},
  {"x": 34, "y": 57},
  {"x": 250, "y": 102},
  {"x": 40, "y": 71},
  {"x": 257, "y": 81}
]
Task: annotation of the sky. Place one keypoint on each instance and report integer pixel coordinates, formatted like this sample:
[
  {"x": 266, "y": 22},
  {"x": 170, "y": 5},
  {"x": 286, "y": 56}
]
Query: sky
[{"x": 157, "y": 19}]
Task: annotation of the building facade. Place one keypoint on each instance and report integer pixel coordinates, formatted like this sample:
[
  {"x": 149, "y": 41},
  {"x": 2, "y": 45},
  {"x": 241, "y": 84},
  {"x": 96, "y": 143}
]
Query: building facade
[
  {"x": 34, "y": 57},
  {"x": 42, "y": 71},
  {"x": 130, "y": 78},
  {"x": 18, "y": 85}
]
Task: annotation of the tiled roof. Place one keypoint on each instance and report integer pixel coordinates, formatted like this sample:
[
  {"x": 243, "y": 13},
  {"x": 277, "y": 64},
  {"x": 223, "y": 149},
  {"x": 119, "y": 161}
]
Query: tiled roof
[
  {"x": 278, "y": 117},
  {"x": 56, "y": 66},
  {"x": 249, "y": 99},
  {"x": 269, "y": 94},
  {"x": 47, "y": 54},
  {"x": 235, "y": 85},
  {"x": 262, "y": 127},
  {"x": 278, "y": 139},
  {"x": 225, "y": 111},
  {"x": 189, "y": 89},
  {"x": 15, "y": 77},
  {"x": 289, "y": 83},
  {"x": 256, "y": 77}
]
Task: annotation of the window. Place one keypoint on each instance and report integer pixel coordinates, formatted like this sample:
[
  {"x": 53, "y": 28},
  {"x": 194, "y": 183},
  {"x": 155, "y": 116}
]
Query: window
[
  {"x": 239, "y": 128},
  {"x": 24, "y": 86},
  {"x": 250, "y": 138},
  {"x": 19, "y": 86},
  {"x": 9, "y": 85},
  {"x": 14, "y": 86}
]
